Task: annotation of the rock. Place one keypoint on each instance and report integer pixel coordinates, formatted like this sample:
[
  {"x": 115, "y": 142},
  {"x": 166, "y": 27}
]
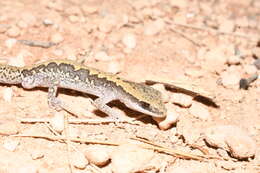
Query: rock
[
  {"x": 78, "y": 160},
  {"x": 130, "y": 158},
  {"x": 230, "y": 79},
  {"x": 56, "y": 38},
  {"x": 9, "y": 43},
  {"x": 250, "y": 69},
  {"x": 171, "y": 118},
  {"x": 233, "y": 60},
  {"x": 183, "y": 100},
  {"x": 194, "y": 72},
  {"x": 232, "y": 139},
  {"x": 13, "y": 32},
  {"x": 57, "y": 122},
  {"x": 8, "y": 94},
  {"x": 97, "y": 155},
  {"x": 154, "y": 27},
  {"x": 10, "y": 127},
  {"x": 73, "y": 18},
  {"x": 21, "y": 24},
  {"x": 129, "y": 40},
  {"x": 200, "y": 111}
]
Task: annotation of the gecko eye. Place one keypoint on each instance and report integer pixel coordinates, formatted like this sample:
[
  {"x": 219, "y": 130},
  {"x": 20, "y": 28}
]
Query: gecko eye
[{"x": 150, "y": 108}]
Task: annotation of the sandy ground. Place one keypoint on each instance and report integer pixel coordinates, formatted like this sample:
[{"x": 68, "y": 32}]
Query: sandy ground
[{"x": 211, "y": 44}]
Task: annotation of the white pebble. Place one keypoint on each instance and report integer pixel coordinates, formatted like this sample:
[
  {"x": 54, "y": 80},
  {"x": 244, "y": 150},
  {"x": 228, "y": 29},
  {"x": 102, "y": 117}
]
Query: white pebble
[
  {"x": 9, "y": 43},
  {"x": 114, "y": 67},
  {"x": 233, "y": 60},
  {"x": 78, "y": 160},
  {"x": 102, "y": 56},
  {"x": 129, "y": 40},
  {"x": 130, "y": 158},
  {"x": 37, "y": 154},
  {"x": 181, "y": 99},
  {"x": 13, "y": 31},
  {"x": 47, "y": 22},
  {"x": 57, "y": 122},
  {"x": 230, "y": 79},
  {"x": 97, "y": 155},
  {"x": 232, "y": 139},
  {"x": 171, "y": 118},
  {"x": 57, "y": 38},
  {"x": 200, "y": 111},
  {"x": 8, "y": 94},
  {"x": 250, "y": 69},
  {"x": 10, "y": 144}
]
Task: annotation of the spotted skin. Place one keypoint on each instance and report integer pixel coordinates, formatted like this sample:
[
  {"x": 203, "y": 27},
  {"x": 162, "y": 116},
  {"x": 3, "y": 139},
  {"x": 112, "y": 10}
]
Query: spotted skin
[{"x": 107, "y": 87}]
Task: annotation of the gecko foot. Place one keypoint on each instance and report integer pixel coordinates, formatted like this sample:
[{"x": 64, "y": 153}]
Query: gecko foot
[{"x": 55, "y": 103}]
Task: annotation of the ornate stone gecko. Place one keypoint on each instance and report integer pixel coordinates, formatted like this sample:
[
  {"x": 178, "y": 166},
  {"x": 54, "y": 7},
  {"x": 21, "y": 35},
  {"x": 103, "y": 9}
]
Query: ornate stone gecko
[{"x": 107, "y": 87}]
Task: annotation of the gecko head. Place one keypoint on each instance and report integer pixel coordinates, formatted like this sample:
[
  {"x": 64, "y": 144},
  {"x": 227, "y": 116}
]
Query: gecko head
[{"x": 154, "y": 109}]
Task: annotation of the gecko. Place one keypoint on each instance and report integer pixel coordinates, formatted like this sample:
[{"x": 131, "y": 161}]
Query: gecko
[{"x": 54, "y": 74}]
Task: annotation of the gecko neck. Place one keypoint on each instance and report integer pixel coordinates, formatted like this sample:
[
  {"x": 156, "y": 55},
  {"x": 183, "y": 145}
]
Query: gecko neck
[{"x": 10, "y": 74}]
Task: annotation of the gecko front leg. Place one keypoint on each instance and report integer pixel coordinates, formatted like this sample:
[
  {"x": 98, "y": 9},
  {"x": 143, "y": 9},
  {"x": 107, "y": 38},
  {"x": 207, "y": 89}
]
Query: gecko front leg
[{"x": 101, "y": 104}]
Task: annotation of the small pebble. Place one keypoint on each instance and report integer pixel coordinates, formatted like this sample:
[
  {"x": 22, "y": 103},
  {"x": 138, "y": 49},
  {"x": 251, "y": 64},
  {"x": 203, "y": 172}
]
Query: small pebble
[
  {"x": 232, "y": 139},
  {"x": 129, "y": 40},
  {"x": 97, "y": 155},
  {"x": 107, "y": 24},
  {"x": 57, "y": 122},
  {"x": 9, "y": 43},
  {"x": 183, "y": 100},
  {"x": 57, "y": 38},
  {"x": 257, "y": 63},
  {"x": 22, "y": 24},
  {"x": 13, "y": 32},
  {"x": 9, "y": 127},
  {"x": 36, "y": 154},
  {"x": 10, "y": 144},
  {"x": 200, "y": 111},
  {"x": 89, "y": 8},
  {"x": 73, "y": 18},
  {"x": 250, "y": 69},
  {"x": 233, "y": 60},
  {"x": 114, "y": 67},
  {"x": 154, "y": 27},
  {"x": 230, "y": 79},
  {"x": 47, "y": 22},
  {"x": 102, "y": 56},
  {"x": 194, "y": 72},
  {"x": 8, "y": 94},
  {"x": 78, "y": 160},
  {"x": 171, "y": 118},
  {"x": 130, "y": 158}
]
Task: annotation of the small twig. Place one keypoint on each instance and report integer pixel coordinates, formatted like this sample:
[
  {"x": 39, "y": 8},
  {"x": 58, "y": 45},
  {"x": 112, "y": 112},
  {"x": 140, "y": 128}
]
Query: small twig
[
  {"x": 186, "y": 37},
  {"x": 77, "y": 121},
  {"x": 176, "y": 153},
  {"x": 215, "y": 31},
  {"x": 35, "y": 43}
]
